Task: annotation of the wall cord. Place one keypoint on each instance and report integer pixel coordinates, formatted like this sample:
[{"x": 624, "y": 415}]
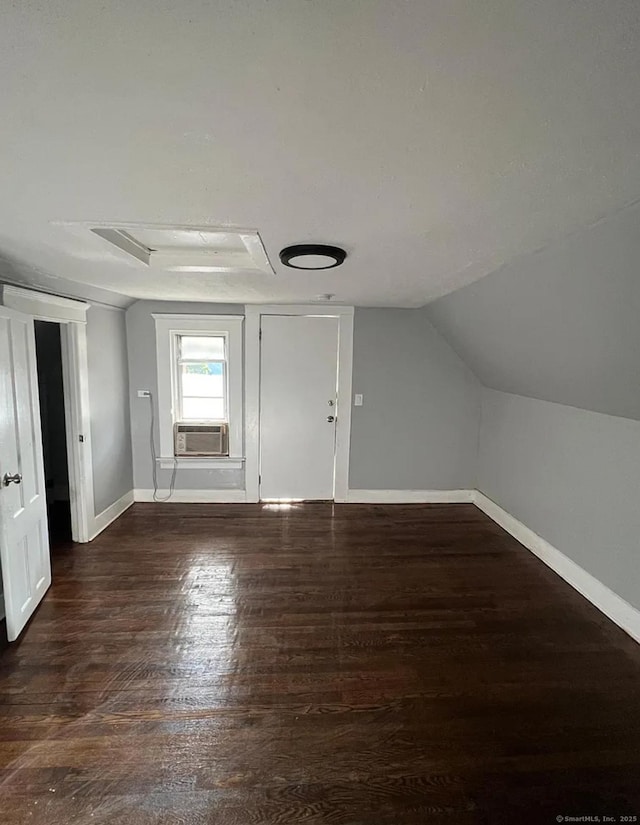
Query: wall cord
[{"x": 154, "y": 459}]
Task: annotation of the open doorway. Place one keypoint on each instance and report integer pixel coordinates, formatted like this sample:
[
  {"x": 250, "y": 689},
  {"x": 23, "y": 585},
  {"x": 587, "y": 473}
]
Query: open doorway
[
  {"x": 54, "y": 430},
  {"x": 68, "y": 317}
]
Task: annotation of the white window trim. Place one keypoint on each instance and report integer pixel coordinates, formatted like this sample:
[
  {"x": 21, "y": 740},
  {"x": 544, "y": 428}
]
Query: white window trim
[
  {"x": 169, "y": 325},
  {"x": 252, "y": 390}
]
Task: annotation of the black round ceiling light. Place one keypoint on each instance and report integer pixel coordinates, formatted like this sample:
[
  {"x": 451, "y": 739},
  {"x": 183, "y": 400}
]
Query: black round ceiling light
[{"x": 312, "y": 256}]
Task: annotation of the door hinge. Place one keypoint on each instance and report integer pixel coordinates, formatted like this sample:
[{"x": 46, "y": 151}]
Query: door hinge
[
  {"x": 259, "y": 479},
  {"x": 260, "y": 334}
]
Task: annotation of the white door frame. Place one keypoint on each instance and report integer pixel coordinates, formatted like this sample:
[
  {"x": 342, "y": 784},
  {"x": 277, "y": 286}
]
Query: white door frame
[
  {"x": 72, "y": 317},
  {"x": 252, "y": 390}
]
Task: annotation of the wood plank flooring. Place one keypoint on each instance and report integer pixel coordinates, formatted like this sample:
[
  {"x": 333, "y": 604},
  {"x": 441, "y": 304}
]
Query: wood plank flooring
[{"x": 348, "y": 664}]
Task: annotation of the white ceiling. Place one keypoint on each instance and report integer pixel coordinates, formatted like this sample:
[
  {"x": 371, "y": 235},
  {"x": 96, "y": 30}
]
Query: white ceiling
[{"x": 434, "y": 139}]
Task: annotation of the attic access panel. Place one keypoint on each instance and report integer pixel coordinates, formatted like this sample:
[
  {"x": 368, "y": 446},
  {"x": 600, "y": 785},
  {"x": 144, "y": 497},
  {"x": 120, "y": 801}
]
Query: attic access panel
[{"x": 187, "y": 249}]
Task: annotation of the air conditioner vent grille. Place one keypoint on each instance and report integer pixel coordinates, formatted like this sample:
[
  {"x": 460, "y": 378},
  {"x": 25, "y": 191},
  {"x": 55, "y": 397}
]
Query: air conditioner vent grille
[{"x": 201, "y": 439}]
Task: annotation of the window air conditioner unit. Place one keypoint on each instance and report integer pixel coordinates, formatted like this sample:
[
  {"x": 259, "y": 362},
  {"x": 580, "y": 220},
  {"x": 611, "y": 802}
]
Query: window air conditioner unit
[{"x": 201, "y": 439}]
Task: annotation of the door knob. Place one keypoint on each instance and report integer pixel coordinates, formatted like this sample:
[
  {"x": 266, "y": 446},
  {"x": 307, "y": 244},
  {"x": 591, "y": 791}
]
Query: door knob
[
  {"x": 331, "y": 418},
  {"x": 14, "y": 479}
]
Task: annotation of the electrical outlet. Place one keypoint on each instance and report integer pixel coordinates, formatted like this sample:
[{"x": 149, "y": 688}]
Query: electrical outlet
[{"x": 144, "y": 393}]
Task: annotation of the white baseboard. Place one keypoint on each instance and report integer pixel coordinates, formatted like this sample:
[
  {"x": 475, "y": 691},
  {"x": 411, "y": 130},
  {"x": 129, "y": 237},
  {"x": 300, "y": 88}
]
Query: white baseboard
[
  {"x": 104, "y": 519},
  {"x": 409, "y": 496},
  {"x": 194, "y": 496},
  {"x": 613, "y": 606},
  {"x": 353, "y": 496}
]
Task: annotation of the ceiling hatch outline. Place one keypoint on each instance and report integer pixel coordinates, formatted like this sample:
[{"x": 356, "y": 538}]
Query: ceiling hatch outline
[{"x": 187, "y": 249}]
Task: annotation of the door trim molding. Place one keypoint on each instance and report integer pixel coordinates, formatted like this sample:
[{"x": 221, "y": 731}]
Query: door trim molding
[
  {"x": 75, "y": 378},
  {"x": 43, "y": 306},
  {"x": 72, "y": 316},
  {"x": 344, "y": 314}
]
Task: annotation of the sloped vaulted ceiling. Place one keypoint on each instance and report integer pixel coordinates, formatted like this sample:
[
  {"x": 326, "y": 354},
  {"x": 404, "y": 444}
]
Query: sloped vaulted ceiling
[
  {"x": 435, "y": 140},
  {"x": 562, "y": 325}
]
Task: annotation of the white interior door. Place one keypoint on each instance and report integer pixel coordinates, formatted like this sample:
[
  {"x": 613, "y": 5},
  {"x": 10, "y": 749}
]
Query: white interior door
[
  {"x": 298, "y": 403},
  {"x": 24, "y": 538}
]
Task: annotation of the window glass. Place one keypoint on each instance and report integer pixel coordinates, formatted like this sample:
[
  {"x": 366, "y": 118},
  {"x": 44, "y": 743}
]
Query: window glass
[
  {"x": 202, "y": 378},
  {"x": 205, "y": 380},
  {"x": 203, "y": 409},
  {"x": 202, "y": 348}
]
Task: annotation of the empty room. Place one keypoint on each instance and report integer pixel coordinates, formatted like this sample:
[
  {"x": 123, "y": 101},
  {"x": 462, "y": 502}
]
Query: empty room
[{"x": 320, "y": 412}]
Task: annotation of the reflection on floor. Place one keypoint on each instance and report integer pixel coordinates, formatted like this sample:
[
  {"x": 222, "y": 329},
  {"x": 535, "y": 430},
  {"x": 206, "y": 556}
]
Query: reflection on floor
[{"x": 349, "y": 664}]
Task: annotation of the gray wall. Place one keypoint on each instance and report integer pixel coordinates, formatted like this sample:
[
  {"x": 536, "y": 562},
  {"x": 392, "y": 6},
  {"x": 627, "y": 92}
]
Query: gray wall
[
  {"x": 562, "y": 325},
  {"x": 141, "y": 335},
  {"x": 414, "y": 386},
  {"x": 418, "y": 427},
  {"x": 570, "y": 475},
  {"x": 108, "y": 390}
]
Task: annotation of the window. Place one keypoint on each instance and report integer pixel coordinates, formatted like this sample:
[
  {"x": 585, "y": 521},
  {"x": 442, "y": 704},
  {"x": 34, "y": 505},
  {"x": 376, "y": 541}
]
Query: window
[
  {"x": 201, "y": 378},
  {"x": 199, "y": 360}
]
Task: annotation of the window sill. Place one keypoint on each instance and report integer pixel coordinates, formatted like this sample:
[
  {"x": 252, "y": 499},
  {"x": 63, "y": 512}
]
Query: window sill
[{"x": 201, "y": 463}]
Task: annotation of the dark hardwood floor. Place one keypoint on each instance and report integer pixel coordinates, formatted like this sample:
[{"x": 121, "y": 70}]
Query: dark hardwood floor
[{"x": 349, "y": 664}]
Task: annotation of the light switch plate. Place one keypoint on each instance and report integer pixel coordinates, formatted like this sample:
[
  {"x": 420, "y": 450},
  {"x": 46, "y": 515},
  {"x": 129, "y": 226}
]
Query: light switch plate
[{"x": 357, "y": 401}]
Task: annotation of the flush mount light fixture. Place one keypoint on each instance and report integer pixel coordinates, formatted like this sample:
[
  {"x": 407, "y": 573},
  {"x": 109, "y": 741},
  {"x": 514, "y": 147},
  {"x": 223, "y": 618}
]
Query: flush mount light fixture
[{"x": 312, "y": 256}]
